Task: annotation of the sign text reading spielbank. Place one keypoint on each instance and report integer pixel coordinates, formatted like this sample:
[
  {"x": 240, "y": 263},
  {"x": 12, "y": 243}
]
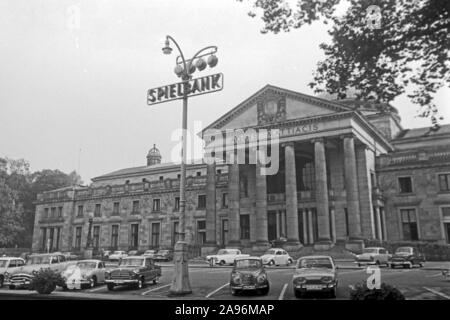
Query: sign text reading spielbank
[{"x": 192, "y": 88}]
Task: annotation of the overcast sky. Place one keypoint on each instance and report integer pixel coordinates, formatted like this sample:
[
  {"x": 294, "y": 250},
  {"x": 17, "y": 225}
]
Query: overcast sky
[{"x": 66, "y": 86}]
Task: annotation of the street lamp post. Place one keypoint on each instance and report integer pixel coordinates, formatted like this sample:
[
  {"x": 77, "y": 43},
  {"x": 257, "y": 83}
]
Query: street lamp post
[
  {"x": 89, "y": 241},
  {"x": 184, "y": 69}
]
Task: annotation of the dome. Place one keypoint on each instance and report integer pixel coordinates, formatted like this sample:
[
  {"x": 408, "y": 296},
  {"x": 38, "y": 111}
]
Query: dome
[{"x": 153, "y": 156}]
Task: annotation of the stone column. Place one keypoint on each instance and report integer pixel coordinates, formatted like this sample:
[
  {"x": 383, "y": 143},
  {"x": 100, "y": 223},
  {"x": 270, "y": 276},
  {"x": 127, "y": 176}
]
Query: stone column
[
  {"x": 379, "y": 234},
  {"x": 323, "y": 215},
  {"x": 262, "y": 239},
  {"x": 211, "y": 244},
  {"x": 383, "y": 225},
  {"x": 333, "y": 224},
  {"x": 305, "y": 226},
  {"x": 351, "y": 188},
  {"x": 310, "y": 227},
  {"x": 233, "y": 206},
  {"x": 291, "y": 198}
]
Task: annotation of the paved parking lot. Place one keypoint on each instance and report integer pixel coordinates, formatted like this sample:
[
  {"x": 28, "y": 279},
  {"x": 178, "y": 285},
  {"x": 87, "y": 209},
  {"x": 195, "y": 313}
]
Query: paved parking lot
[{"x": 212, "y": 283}]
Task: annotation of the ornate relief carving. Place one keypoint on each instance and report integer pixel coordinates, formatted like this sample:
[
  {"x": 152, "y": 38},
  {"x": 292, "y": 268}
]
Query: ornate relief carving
[{"x": 271, "y": 108}]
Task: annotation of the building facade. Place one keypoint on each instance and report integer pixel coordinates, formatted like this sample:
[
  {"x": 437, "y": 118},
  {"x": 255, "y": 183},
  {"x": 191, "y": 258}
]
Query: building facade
[{"x": 347, "y": 171}]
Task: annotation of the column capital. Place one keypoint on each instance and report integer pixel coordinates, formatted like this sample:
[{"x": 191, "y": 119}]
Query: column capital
[
  {"x": 346, "y": 135},
  {"x": 320, "y": 140},
  {"x": 288, "y": 144}
]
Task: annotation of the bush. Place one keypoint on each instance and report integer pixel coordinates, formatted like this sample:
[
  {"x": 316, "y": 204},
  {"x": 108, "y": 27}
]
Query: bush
[
  {"x": 46, "y": 280},
  {"x": 386, "y": 292}
]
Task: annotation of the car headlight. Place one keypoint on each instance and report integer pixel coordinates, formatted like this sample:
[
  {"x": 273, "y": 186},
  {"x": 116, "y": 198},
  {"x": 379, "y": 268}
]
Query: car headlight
[
  {"x": 372, "y": 258},
  {"x": 236, "y": 278},
  {"x": 107, "y": 275},
  {"x": 299, "y": 280},
  {"x": 6, "y": 275},
  {"x": 261, "y": 278},
  {"x": 326, "y": 279}
]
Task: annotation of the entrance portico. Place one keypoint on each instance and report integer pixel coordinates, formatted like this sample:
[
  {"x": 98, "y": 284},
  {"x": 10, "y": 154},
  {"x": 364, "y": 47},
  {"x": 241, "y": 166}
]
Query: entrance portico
[{"x": 321, "y": 192}]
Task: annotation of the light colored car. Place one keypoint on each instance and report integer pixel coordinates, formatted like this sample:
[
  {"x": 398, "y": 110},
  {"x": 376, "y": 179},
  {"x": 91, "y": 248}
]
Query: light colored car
[
  {"x": 277, "y": 257},
  {"x": 373, "y": 255},
  {"x": 86, "y": 273},
  {"x": 9, "y": 265},
  {"x": 315, "y": 274},
  {"x": 225, "y": 256},
  {"x": 22, "y": 276},
  {"x": 149, "y": 253},
  {"x": 117, "y": 255},
  {"x": 407, "y": 257}
]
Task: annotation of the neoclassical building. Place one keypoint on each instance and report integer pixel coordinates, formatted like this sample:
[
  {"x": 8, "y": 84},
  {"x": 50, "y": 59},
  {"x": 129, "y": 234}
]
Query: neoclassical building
[{"x": 346, "y": 171}]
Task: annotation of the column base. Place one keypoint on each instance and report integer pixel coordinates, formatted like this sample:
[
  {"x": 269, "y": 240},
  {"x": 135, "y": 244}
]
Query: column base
[
  {"x": 208, "y": 248},
  {"x": 323, "y": 245},
  {"x": 292, "y": 245},
  {"x": 354, "y": 245},
  {"x": 180, "y": 284}
]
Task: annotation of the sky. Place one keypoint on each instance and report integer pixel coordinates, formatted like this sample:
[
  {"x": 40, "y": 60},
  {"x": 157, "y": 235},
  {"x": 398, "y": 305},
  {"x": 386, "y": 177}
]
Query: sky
[{"x": 74, "y": 76}]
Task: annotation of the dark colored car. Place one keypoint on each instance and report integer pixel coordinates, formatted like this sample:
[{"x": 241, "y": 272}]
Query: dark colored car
[
  {"x": 135, "y": 271},
  {"x": 163, "y": 255},
  {"x": 249, "y": 274},
  {"x": 407, "y": 257}
]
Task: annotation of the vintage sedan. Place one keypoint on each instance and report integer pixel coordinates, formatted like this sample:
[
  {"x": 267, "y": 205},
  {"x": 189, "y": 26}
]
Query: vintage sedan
[
  {"x": 407, "y": 257},
  {"x": 86, "y": 273},
  {"x": 117, "y": 255},
  {"x": 149, "y": 253},
  {"x": 225, "y": 256},
  {"x": 9, "y": 265},
  {"x": 277, "y": 257},
  {"x": 22, "y": 276},
  {"x": 373, "y": 255},
  {"x": 136, "y": 271},
  {"x": 315, "y": 274},
  {"x": 248, "y": 274},
  {"x": 163, "y": 255}
]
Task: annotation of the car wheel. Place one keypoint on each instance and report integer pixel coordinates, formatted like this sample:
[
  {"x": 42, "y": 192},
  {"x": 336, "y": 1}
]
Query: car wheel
[
  {"x": 11, "y": 287},
  {"x": 155, "y": 281},
  {"x": 377, "y": 262},
  {"x": 333, "y": 293},
  {"x": 93, "y": 282},
  {"x": 264, "y": 291},
  {"x": 271, "y": 263},
  {"x": 233, "y": 292},
  {"x": 421, "y": 264},
  {"x": 222, "y": 262},
  {"x": 392, "y": 266},
  {"x": 359, "y": 264},
  {"x": 289, "y": 262},
  {"x": 110, "y": 286},
  {"x": 298, "y": 294}
]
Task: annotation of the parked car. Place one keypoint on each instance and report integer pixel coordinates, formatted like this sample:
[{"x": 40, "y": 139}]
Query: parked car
[
  {"x": 105, "y": 254},
  {"x": 133, "y": 253},
  {"x": 117, "y": 255},
  {"x": 407, "y": 257},
  {"x": 315, "y": 274},
  {"x": 149, "y": 253},
  {"x": 85, "y": 273},
  {"x": 225, "y": 256},
  {"x": 163, "y": 255},
  {"x": 277, "y": 257},
  {"x": 22, "y": 276},
  {"x": 248, "y": 274},
  {"x": 9, "y": 265},
  {"x": 373, "y": 255},
  {"x": 135, "y": 271},
  {"x": 70, "y": 256}
]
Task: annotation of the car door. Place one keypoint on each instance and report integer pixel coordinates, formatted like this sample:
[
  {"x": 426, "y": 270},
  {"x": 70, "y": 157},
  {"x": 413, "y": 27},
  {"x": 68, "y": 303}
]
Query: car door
[
  {"x": 382, "y": 256},
  {"x": 278, "y": 257},
  {"x": 100, "y": 272},
  {"x": 150, "y": 272}
]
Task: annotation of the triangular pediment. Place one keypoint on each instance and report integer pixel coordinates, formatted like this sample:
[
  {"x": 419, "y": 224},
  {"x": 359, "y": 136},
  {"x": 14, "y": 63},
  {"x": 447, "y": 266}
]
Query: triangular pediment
[{"x": 273, "y": 104}]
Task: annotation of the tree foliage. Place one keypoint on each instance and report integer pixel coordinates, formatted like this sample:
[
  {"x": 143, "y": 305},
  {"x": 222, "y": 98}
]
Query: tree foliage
[{"x": 408, "y": 53}]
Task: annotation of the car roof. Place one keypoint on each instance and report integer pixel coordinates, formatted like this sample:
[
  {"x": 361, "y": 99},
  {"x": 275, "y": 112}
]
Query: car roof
[
  {"x": 10, "y": 258},
  {"x": 45, "y": 254},
  {"x": 275, "y": 249},
  {"x": 248, "y": 258},
  {"x": 374, "y": 248},
  {"x": 136, "y": 257},
  {"x": 316, "y": 257},
  {"x": 89, "y": 260}
]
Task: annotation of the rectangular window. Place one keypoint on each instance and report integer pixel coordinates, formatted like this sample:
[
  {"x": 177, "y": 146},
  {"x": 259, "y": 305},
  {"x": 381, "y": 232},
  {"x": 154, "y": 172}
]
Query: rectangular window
[
  {"x": 405, "y": 184},
  {"x": 444, "y": 182},
  {"x": 80, "y": 211},
  {"x": 201, "y": 201},
  {"x": 245, "y": 226},
  {"x": 199, "y": 174},
  {"x": 96, "y": 237},
  {"x": 219, "y": 171},
  {"x": 60, "y": 210},
  {"x": 346, "y": 222},
  {"x": 175, "y": 234},
  {"x": 45, "y": 213},
  {"x": 176, "y": 208},
  {"x": 53, "y": 212},
  {"x": 97, "y": 210},
  {"x": 409, "y": 224},
  {"x": 201, "y": 231},
  {"x": 154, "y": 241},
  {"x": 161, "y": 178},
  {"x": 136, "y": 209},
  {"x": 156, "y": 205},
  {"x": 115, "y": 209},
  {"x": 114, "y": 236},
  {"x": 134, "y": 238},
  {"x": 78, "y": 238},
  {"x": 44, "y": 238},
  {"x": 224, "y": 200},
  {"x": 58, "y": 236}
]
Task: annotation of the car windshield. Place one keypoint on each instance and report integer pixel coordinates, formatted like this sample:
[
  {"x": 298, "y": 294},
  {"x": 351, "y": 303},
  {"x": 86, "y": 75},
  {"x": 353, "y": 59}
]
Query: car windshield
[
  {"x": 3, "y": 263},
  {"x": 403, "y": 250},
  {"x": 248, "y": 264},
  {"x": 370, "y": 250},
  {"x": 39, "y": 260},
  {"x": 149, "y": 251},
  {"x": 118, "y": 252},
  {"x": 163, "y": 252},
  {"x": 271, "y": 251},
  {"x": 315, "y": 263},
  {"x": 131, "y": 262},
  {"x": 86, "y": 265}
]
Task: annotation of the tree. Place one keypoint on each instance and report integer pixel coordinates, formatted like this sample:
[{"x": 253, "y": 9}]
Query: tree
[
  {"x": 409, "y": 50},
  {"x": 10, "y": 214}
]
